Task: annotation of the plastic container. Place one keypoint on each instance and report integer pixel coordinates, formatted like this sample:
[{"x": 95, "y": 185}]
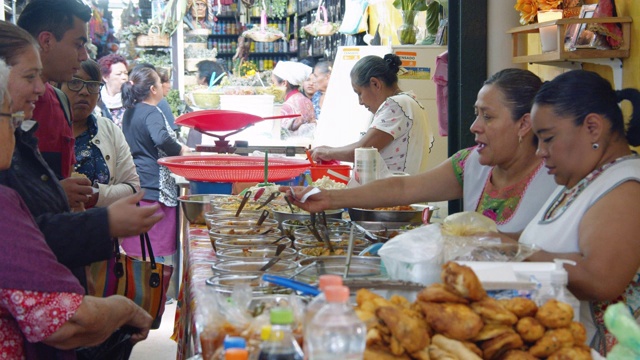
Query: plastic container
[
  {"x": 281, "y": 345},
  {"x": 336, "y": 332},
  {"x": 318, "y": 171}
]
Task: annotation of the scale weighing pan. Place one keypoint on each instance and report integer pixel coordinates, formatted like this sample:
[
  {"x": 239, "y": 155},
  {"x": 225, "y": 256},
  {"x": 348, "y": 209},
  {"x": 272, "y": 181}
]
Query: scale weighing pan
[{"x": 223, "y": 120}]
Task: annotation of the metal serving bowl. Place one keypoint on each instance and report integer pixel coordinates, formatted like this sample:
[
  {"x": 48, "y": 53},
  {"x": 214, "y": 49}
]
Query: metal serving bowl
[
  {"x": 361, "y": 267},
  {"x": 255, "y": 253},
  {"x": 419, "y": 214},
  {"x": 195, "y": 206},
  {"x": 252, "y": 266},
  {"x": 303, "y": 215}
]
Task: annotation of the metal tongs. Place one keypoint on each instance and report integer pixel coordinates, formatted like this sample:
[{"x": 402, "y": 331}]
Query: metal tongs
[{"x": 320, "y": 230}]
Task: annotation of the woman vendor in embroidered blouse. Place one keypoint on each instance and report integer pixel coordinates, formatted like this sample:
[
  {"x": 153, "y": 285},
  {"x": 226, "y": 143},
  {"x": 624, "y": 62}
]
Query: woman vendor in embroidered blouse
[
  {"x": 592, "y": 218},
  {"x": 500, "y": 177}
]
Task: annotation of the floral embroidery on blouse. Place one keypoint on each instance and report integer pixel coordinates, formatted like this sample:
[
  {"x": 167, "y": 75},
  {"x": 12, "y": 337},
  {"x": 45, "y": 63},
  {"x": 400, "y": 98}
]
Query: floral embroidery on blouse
[
  {"x": 89, "y": 159},
  {"x": 32, "y": 315},
  {"x": 497, "y": 204}
]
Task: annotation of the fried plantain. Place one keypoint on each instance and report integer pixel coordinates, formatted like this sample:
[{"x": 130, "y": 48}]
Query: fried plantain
[
  {"x": 455, "y": 348},
  {"x": 440, "y": 293},
  {"x": 492, "y": 312},
  {"x": 455, "y": 321},
  {"x": 489, "y": 331}
]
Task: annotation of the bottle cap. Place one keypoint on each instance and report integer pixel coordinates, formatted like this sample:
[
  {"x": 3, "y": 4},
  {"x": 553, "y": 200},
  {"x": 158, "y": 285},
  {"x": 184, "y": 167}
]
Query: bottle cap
[
  {"x": 265, "y": 332},
  {"x": 234, "y": 342},
  {"x": 560, "y": 275},
  {"x": 329, "y": 280},
  {"x": 281, "y": 316},
  {"x": 236, "y": 354},
  {"x": 339, "y": 294}
]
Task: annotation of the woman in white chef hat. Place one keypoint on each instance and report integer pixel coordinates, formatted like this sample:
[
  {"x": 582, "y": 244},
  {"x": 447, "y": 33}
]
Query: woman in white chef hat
[{"x": 291, "y": 75}]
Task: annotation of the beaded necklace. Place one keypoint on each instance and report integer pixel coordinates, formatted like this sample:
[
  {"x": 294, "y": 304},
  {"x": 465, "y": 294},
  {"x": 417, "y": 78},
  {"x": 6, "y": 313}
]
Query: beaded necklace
[{"x": 567, "y": 196}]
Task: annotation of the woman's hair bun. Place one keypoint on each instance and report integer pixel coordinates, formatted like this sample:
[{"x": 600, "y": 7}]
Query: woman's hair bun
[{"x": 393, "y": 62}]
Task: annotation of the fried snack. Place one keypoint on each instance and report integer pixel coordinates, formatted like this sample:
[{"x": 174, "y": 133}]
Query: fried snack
[
  {"x": 578, "y": 332},
  {"x": 517, "y": 355},
  {"x": 571, "y": 353},
  {"x": 410, "y": 332},
  {"x": 435, "y": 353},
  {"x": 530, "y": 329},
  {"x": 473, "y": 347},
  {"x": 454, "y": 347},
  {"x": 552, "y": 341},
  {"x": 555, "y": 314},
  {"x": 489, "y": 331},
  {"x": 422, "y": 354},
  {"x": 440, "y": 293},
  {"x": 463, "y": 280},
  {"x": 400, "y": 301},
  {"x": 494, "y": 348},
  {"x": 373, "y": 353},
  {"x": 492, "y": 312},
  {"x": 455, "y": 321},
  {"x": 521, "y": 307}
]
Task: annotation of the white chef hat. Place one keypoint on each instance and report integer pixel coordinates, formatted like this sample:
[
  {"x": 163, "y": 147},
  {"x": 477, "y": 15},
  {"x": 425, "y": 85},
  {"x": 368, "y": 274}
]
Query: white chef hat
[{"x": 294, "y": 72}]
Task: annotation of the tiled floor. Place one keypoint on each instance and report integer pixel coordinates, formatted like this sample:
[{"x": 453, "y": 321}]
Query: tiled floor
[{"x": 159, "y": 345}]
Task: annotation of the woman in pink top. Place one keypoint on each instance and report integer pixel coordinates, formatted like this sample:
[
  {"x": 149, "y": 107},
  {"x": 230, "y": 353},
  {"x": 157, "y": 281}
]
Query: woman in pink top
[{"x": 291, "y": 75}]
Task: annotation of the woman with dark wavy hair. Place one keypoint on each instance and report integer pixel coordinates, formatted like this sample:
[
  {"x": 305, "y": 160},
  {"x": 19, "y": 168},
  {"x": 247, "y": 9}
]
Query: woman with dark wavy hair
[{"x": 399, "y": 130}]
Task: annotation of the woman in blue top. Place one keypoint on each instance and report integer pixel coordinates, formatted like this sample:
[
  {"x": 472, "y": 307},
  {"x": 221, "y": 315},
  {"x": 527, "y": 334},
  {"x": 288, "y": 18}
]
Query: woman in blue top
[{"x": 150, "y": 138}]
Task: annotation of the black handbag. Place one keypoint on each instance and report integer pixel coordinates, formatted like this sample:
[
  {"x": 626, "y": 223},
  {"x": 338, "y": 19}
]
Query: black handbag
[{"x": 117, "y": 347}]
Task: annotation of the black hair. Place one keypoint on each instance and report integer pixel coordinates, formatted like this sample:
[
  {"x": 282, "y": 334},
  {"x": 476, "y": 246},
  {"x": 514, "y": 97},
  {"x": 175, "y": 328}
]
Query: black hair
[
  {"x": 206, "y": 68},
  {"x": 139, "y": 85},
  {"x": 92, "y": 69},
  {"x": 596, "y": 95},
  {"x": 54, "y": 16},
  {"x": 519, "y": 88},
  {"x": 310, "y": 61},
  {"x": 13, "y": 42},
  {"x": 372, "y": 66}
]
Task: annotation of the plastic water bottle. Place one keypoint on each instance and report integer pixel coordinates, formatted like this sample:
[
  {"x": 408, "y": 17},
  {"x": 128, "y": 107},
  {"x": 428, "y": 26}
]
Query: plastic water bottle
[
  {"x": 317, "y": 303},
  {"x": 336, "y": 332},
  {"x": 281, "y": 344},
  {"x": 235, "y": 348}
]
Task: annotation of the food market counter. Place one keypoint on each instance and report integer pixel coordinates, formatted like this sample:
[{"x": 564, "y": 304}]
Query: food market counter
[{"x": 197, "y": 260}]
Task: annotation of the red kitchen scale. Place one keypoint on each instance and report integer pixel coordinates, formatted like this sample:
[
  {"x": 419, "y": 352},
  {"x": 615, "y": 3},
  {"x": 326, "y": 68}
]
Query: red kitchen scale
[{"x": 229, "y": 121}]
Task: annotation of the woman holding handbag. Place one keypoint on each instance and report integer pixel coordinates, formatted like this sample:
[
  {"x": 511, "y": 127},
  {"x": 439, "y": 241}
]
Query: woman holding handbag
[
  {"x": 150, "y": 137},
  {"x": 44, "y": 313}
]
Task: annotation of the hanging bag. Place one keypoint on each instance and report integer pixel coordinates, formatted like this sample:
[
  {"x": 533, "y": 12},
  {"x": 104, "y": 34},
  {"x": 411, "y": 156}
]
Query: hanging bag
[{"x": 144, "y": 282}]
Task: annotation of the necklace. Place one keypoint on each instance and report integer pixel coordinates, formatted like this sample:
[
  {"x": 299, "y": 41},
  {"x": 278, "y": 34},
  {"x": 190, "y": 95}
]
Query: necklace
[{"x": 568, "y": 196}]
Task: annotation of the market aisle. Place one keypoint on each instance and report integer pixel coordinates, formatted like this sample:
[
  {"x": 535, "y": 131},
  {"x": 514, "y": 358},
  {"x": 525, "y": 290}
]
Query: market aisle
[{"x": 158, "y": 345}]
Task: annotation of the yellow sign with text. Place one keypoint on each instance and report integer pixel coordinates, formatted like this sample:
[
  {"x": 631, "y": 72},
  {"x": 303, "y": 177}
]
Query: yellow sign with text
[
  {"x": 408, "y": 58},
  {"x": 416, "y": 73},
  {"x": 351, "y": 54}
]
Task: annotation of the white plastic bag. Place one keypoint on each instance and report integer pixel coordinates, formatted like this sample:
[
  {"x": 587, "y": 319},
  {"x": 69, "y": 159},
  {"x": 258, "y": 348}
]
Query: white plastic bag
[{"x": 414, "y": 256}]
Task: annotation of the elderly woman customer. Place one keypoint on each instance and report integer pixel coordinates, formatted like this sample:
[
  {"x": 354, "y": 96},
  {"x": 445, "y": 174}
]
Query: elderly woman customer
[
  {"x": 150, "y": 137},
  {"x": 43, "y": 311},
  {"x": 102, "y": 153},
  {"x": 320, "y": 76},
  {"x": 500, "y": 177},
  {"x": 399, "y": 130},
  {"x": 292, "y": 75},
  {"x": 114, "y": 69},
  {"x": 592, "y": 218}
]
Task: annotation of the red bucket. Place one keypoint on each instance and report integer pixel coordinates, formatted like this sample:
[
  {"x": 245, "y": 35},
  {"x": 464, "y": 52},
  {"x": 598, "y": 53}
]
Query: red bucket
[{"x": 318, "y": 171}]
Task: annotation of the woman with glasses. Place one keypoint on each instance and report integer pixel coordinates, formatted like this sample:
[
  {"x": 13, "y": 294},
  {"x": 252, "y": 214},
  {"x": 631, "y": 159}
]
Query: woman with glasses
[{"x": 102, "y": 153}]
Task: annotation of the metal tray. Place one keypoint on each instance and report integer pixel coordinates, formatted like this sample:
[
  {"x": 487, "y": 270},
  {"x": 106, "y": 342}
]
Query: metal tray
[
  {"x": 406, "y": 216},
  {"x": 361, "y": 267}
]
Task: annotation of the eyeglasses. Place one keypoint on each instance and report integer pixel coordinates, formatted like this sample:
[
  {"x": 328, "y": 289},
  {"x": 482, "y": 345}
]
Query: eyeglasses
[
  {"x": 93, "y": 87},
  {"x": 16, "y": 118}
]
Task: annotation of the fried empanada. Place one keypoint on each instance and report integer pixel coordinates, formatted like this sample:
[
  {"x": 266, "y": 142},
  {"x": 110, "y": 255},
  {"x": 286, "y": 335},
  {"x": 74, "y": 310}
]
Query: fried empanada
[
  {"x": 410, "y": 332},
  {"x": 463, "y": 280},
  {"x": 440, "y": 293},
  {"x": 552, "y": 341},
  {"x": 454, "y": 347},
  {"x": 521, "y": 307},
  {"x": 555, "y": 314},
  {"x": 530, "y": 329},
  {"x": 517, "y": 355},
  {"x": 571, "y": 353},
  {"x": 494, "y": 348},
  {"x": 455, "y": 321},
  {"x": 492, "y": 312},
  {"x": 489, "y": 331}
]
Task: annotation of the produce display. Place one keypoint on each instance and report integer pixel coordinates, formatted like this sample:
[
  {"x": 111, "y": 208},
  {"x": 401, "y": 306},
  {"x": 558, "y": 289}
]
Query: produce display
[{"x": 457, "y": 320}]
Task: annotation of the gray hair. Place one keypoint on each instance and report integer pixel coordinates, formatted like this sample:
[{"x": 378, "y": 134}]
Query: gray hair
[{"x": 4, "y": 80}]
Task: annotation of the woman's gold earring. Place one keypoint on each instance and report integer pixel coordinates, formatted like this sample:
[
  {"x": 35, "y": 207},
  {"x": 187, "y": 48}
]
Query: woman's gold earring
[{"x": 519, "y": 139}]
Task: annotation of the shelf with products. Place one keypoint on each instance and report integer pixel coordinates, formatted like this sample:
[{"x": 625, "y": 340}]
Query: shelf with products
[
  {"x": 566, "y": 56},
  {"x": 318, "y": 46}
]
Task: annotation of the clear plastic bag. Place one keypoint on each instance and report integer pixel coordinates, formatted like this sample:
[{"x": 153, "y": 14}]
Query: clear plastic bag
[{"x": 484, "y": 248}]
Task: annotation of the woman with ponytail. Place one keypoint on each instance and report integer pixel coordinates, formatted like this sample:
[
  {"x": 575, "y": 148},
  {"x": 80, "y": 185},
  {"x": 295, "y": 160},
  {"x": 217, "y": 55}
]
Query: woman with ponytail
[
  {"x": 150, "y": 138},
  {"x": 399, "y": 130},
  {"x": 592, "y": 218}
]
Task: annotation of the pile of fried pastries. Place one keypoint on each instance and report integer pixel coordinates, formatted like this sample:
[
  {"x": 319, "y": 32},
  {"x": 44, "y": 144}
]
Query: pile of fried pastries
[{"x": 457, "y": 320}]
